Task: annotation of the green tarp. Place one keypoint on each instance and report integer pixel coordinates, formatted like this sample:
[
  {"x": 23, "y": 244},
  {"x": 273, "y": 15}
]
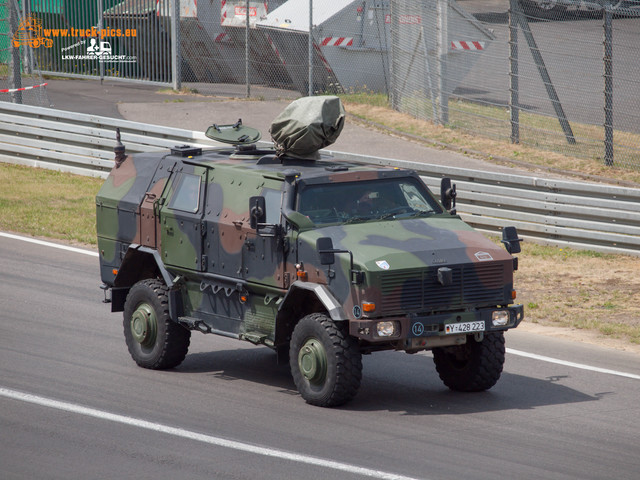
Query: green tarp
[{"x": 307, "y": 125}]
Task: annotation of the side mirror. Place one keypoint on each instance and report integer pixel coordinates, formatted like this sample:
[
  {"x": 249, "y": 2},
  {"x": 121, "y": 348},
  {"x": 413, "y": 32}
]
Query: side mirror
[
  {"x": 511, "y": 240},
  {"x": 448, "y": 195},
  {"x": 324, "y": 245},
  {"x": 257, "y": 211}
]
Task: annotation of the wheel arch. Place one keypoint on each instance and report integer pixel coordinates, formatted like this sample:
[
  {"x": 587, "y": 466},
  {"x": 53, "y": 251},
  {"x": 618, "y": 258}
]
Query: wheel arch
[
  {"x": 304, "y": 298},
  {"x": 140, "y": 263}
]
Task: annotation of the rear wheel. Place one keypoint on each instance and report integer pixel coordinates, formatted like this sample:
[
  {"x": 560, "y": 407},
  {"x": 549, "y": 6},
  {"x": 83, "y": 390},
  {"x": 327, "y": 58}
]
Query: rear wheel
[
  {"x": 474, "y": 366},
  {"x": 325, "y": 361},
  {"x": 153, "y": 339}
]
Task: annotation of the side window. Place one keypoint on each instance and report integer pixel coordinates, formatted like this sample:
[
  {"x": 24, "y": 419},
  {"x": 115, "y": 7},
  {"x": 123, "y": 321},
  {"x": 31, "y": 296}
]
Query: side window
[
  {"x": 273, "y": 200},
  {"x": 186, "y": 196}
]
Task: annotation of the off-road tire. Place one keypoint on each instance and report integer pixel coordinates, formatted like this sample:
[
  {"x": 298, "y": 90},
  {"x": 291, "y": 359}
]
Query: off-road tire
[
  {"x": 326, "y": 363},
  {"x": 153, "y": 339},
  {"x": 474, "y": 366}
]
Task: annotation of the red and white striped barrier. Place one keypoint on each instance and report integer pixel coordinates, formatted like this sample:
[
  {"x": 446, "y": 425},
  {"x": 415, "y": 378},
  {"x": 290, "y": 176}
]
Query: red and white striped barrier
[
  {"x": 275, "y": 49},
  {"x": 337, "y": 41},
  {"x": 464, "y": 45},
  {"x": 223, "y": 38},
  {"x": 322, "y": 58},
  {"x": 11, "y": 90}
]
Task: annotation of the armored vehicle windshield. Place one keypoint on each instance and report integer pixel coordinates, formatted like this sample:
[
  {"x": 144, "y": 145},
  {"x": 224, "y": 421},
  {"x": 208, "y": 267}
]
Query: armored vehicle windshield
[{"x": 360, "y": 201}]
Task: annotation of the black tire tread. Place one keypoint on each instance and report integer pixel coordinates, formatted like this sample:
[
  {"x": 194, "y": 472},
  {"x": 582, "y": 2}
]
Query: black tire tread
[
  {"x": 176, "y": 339},
  {"x": 348, "y": 363},
  {"x": 483, "y": 369}
]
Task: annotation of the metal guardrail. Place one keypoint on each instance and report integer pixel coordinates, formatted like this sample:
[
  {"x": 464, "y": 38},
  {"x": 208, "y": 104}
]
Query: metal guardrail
[
  {"x": 79, "y": 143},
  {"x": 565, "y": 213}
]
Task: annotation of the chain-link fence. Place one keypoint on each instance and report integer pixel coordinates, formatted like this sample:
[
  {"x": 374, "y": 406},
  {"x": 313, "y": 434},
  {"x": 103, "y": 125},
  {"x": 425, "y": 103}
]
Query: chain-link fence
[
  {"x": 561, "y": 75},
  {"x": 20, "y": 81}
]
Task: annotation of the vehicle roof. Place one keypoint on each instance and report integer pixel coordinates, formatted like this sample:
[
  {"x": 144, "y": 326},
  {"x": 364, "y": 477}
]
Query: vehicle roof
[{"x": 265, "y": 162}]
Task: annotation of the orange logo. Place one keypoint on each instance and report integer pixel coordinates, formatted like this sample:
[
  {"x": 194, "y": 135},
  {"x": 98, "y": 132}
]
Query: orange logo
[{"x": 30, "y": 33}]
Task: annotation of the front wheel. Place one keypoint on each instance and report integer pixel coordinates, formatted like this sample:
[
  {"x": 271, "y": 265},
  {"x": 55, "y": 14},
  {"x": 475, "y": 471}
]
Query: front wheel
[
  {"x": 474, "y": 366},
  {"x": 325, "y": 361},
  {"x": 153, "y": 339}
]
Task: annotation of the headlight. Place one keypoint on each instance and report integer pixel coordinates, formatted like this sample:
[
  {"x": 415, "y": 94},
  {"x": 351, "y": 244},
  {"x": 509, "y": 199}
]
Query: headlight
[
  {"x": 500, "y": 318},
  {"x": 387, "y": 329}
]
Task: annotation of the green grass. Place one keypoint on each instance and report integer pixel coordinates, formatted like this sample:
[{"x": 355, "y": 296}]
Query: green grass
[{"x": 45, "y": 203}]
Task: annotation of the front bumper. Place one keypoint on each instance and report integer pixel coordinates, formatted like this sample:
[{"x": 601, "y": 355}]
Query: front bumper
[{"x": 413, "y": 327}]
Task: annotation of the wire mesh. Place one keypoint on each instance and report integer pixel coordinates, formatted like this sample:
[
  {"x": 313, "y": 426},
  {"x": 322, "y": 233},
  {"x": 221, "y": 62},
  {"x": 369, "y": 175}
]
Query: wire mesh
[
  {"x": 540, "y": 83},
  {"x": 20, "y": 78},
  {"x": 554, "y": 74}
]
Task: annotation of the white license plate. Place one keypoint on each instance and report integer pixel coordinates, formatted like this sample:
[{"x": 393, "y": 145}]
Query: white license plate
[{"x": 465, "y": 327}]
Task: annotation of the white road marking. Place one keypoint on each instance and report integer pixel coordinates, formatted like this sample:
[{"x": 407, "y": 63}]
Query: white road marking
[
  {"x": 572, "y": 364},
  {"x": 49, "y": 244},
  {"x": 198, "y": 437}
]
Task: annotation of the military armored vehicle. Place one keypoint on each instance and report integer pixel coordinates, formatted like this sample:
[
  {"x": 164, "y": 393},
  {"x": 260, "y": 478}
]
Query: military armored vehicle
[{"x": 319, "y": 259}]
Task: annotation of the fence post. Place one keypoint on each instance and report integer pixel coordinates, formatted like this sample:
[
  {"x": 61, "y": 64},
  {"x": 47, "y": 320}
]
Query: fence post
[
  {"x": 393, "y": 52},
  {"x": 100, "y": 27},
  {"x": 544, "y": 74},
  {"x": 15, "y": 81},
  {"x": 443, "y": 50},
  {"x": 514, "y": 107},
  {"x": 176, "y": 56},
  {"x": 310, "y": 47},
  {"x": 247, "y": 80},
  {"x": 27, "y": 53},
  {"x": 608, "y": 86}
]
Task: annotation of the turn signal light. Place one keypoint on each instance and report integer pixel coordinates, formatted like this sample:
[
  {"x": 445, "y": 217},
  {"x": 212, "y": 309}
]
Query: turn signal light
[
  {"x": 302, "y": 275},
  {"x": 114, "y": 271},
  {"x": 368, "y": 307},
  {"x": 513, "y": 295}
]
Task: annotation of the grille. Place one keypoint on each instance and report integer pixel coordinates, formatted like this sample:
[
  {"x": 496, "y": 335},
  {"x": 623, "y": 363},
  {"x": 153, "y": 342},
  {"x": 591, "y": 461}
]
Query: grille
[{"x": 420, "y": 290}]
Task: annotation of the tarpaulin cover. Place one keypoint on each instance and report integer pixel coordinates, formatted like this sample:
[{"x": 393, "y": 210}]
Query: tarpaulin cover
[{"x": 307, "y": 125}]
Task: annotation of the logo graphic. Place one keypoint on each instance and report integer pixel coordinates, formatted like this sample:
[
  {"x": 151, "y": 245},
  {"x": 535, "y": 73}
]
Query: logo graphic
[
  {"x": 99, "y": 50},
  {"x": 30, "y": 33},
  {"x": 417, "y": 329},
  {"x": 357, "y": 311},
  {"x": 483, "y": 256},
  {"x": 383, "y": 264}
]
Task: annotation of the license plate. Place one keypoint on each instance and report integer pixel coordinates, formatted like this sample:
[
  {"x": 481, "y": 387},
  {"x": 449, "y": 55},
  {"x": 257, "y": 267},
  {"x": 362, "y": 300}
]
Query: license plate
[{"x": 465, "y": 327}]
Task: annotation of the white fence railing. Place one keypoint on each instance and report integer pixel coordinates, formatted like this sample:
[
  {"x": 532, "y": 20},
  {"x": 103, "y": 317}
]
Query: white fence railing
[{"x": 566, "y": 213}]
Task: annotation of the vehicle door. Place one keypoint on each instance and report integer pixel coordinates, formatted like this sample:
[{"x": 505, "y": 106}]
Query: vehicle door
[
  {"x": 263, "y": 252},
  {"x": 181, "y": 212}
]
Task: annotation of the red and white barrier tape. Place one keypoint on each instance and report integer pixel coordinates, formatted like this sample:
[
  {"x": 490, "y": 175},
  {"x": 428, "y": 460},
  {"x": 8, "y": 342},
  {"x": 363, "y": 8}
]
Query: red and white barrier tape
[{"x": 12, "y": 90}]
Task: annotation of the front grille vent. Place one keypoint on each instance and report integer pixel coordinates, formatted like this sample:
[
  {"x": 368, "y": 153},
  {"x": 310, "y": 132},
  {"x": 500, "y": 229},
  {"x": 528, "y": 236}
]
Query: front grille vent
[{"x": 420, "y": 290}]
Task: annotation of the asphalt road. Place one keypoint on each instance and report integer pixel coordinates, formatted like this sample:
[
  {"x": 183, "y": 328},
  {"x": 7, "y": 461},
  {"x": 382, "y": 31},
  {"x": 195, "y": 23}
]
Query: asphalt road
[{"x": 73, "y": 405}]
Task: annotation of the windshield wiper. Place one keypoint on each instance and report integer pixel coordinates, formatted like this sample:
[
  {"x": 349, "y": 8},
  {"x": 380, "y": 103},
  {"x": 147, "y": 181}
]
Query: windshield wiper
[
  {"x": 400, "y": 215},
  {"x": 357, "y": 219},
  {"x": 422, "y": 213}
]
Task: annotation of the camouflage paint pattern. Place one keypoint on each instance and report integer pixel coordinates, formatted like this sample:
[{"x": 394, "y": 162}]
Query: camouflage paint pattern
[{"x": 255, "y": 285}]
